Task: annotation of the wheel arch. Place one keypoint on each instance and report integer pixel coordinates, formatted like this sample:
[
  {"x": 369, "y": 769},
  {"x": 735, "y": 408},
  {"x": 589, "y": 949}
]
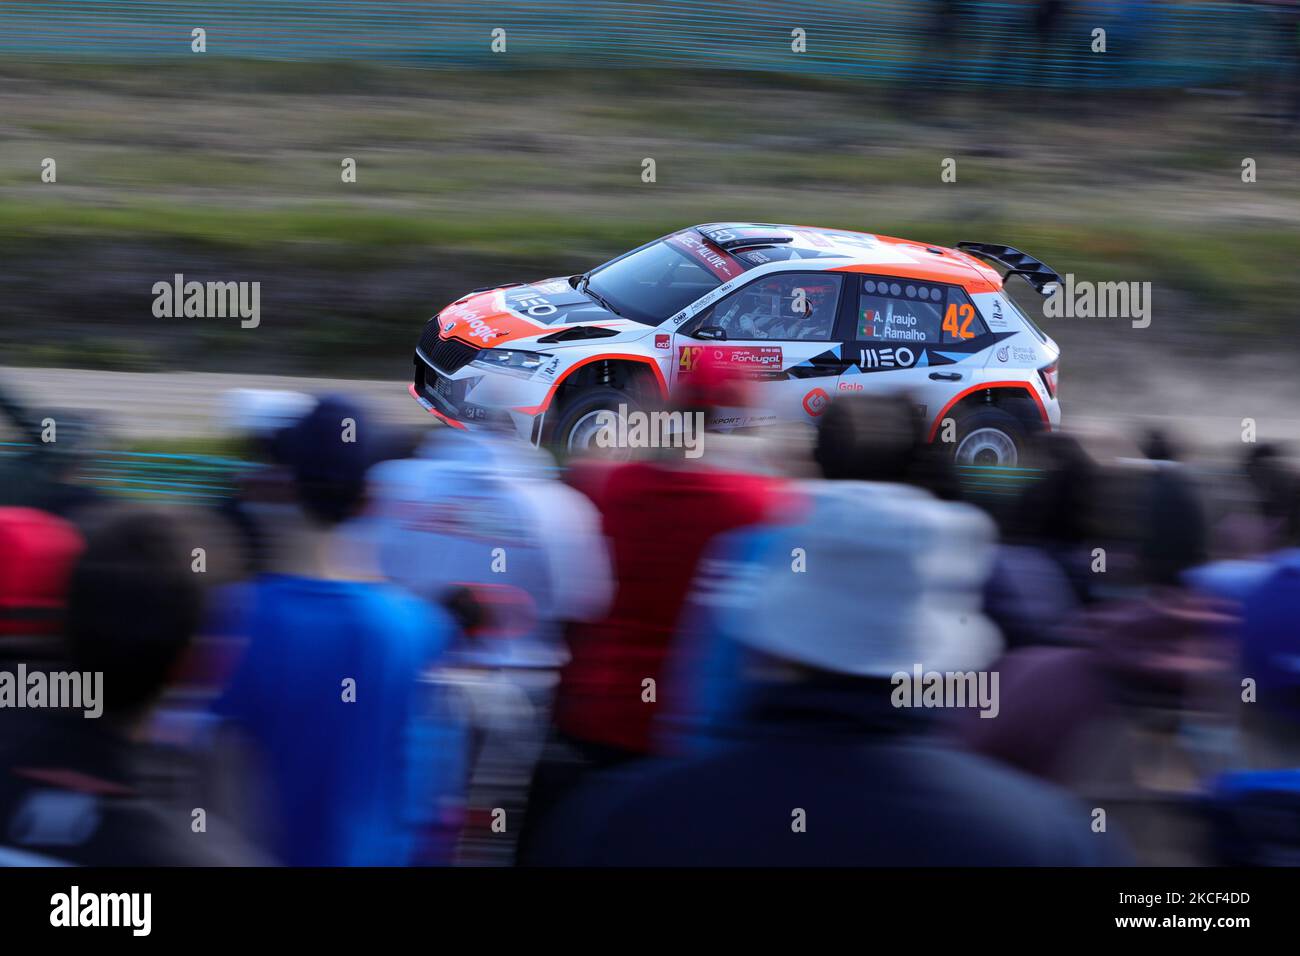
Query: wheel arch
[
  {"x": 638, "y": 372},
  {"x": 1016, "y": 398}
]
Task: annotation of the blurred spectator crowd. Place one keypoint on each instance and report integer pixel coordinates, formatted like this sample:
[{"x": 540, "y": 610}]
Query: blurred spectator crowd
[{"x": 397, "y": 650}]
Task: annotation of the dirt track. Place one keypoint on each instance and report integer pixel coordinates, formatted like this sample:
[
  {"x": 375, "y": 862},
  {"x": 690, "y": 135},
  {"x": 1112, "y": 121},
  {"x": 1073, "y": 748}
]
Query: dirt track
[
  {"x": 1107, "y": 410},
  {"x": 137, "y": 405}
]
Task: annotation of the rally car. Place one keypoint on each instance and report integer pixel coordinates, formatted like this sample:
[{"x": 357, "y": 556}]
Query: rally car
[{"x": 810, "y": 312}]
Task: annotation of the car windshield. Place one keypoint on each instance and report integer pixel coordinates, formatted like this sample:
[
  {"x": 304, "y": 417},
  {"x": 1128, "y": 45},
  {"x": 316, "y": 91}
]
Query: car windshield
[{"x": 659, "y": 280}]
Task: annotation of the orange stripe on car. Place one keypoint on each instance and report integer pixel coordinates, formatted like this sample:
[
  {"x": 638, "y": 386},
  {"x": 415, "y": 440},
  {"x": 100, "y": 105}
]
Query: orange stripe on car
[
  {"x": 614, "y": 356},
  {"x": 949, "y": 272},
  {"x": 1042, "y": 410}
]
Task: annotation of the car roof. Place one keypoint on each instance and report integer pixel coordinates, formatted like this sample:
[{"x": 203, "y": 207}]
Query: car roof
[{"x": 861, "y": 251}]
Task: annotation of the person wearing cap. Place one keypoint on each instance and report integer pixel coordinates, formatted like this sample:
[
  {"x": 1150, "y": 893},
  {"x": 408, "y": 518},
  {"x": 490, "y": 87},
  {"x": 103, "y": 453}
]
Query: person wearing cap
[
  {"x": 353, "y": 760},
  {"x": 658, "y": 514},
  {"x": 859, "y": 439},
  {"x": 817, "y": 761},
  {"x": 263, "y": 495}
]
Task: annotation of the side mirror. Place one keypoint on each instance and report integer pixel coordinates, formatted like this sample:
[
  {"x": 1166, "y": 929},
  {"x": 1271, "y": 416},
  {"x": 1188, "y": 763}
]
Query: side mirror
[{"x": 712, "y": 332}]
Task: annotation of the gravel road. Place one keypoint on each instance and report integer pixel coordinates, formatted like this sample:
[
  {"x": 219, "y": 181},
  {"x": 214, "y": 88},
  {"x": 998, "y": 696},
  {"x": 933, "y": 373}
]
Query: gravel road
[{"x": 140, "y": 406}]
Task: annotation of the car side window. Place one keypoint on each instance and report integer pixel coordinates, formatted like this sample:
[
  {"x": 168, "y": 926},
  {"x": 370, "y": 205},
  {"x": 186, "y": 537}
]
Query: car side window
[
  {"x": 907, "y": 310},
  {"x": 792, "y": 307}
]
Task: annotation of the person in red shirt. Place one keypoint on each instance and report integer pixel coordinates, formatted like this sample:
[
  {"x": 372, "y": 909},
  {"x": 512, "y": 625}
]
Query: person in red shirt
[
  {"x": 659, "y": 515},
  {"x": 659, "y": 520}
]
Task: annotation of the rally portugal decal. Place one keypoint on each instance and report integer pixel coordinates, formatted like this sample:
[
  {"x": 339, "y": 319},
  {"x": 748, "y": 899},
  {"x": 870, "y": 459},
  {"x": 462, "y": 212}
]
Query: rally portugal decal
[{"x": 755, "y": 358}]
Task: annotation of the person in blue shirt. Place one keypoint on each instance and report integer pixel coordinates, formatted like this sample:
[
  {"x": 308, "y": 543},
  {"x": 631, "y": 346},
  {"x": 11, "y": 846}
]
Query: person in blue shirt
[{"x": 353, "y": 760}]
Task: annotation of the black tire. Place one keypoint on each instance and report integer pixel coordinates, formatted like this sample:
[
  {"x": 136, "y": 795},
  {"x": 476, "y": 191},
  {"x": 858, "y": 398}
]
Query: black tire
[
  {"x": 990, "y": 436},
  {"x": 576, "y": 419}
]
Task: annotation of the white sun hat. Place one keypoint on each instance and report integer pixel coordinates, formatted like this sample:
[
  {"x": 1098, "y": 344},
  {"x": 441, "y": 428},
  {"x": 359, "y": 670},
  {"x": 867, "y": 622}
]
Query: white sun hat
[{"x": 891, "y": 577}]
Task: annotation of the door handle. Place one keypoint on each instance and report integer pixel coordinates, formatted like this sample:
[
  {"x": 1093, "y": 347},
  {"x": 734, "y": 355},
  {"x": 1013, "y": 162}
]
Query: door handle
[{"x": 946, "y": 376}]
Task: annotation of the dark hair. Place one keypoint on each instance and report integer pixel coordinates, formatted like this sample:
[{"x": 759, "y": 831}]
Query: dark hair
[
  {"x": 1158, "y": 446},
  {"x": 868, "y": 438},
  {"x": 1263, "y": 452},
  {"x": 1277, "y": 488},
  {"x": 1173, "y": 532},
  {"x": 134, "y": 603},
  {"x": 329, "y": 459},
  {"x": 1058, "y": 507}
]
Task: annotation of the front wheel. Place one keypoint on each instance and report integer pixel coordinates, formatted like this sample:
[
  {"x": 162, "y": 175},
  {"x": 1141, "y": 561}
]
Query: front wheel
[
  {"x": 583, "y": 419},
  {"x": 991, "y": 437}
]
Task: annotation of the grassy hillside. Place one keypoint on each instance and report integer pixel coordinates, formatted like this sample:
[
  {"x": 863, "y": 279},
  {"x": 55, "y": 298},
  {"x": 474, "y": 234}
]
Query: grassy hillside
[{"x": 231, "y": 171}]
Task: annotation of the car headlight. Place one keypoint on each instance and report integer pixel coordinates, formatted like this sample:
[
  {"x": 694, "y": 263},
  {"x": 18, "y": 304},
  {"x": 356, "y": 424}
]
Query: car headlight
[{"x": 512, "y": 361}]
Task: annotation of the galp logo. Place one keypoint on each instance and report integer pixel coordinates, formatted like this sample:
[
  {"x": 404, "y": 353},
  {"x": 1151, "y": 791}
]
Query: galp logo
[{"x": 815, "y": 402}]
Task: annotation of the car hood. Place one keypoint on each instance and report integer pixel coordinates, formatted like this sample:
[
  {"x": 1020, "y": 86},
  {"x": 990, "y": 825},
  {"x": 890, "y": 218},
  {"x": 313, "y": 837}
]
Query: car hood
[{"x": 514, "y": 313}]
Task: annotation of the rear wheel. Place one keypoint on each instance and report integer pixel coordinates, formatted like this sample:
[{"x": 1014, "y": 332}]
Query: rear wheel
[{"x": 990, "y": 436}]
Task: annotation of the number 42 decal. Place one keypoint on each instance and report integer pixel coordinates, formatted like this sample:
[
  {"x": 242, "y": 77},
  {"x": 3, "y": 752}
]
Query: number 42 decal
[{"x": 965, "y": 312}]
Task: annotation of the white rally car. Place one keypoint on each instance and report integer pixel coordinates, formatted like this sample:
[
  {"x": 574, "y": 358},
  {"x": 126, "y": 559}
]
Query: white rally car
[{"x": 810, "y": 312}]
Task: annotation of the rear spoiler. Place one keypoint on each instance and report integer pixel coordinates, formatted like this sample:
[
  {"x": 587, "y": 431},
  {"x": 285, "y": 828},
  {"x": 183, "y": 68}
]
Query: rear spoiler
[{"x": 1037, "y": 274}]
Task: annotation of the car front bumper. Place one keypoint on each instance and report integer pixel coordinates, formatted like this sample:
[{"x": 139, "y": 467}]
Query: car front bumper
[{"x": 499, "y": 401}]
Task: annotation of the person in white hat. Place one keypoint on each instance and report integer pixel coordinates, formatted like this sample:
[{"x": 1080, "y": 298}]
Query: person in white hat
[
  {"x": 841, "y": 630},
  {"x": 873, "y": 576}
]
